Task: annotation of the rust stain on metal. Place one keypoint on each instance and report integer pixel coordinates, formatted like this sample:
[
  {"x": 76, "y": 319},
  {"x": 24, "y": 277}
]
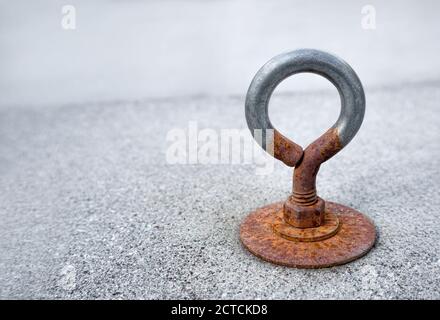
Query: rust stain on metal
[
  {"x": 305, "y": 231},
  {"x": 304, "y": 178},
  {"x": 328, "y": 229},
  {"x": 354, "y": 239},
  {"x": 286, "y": 150},
  {"x": 304, "y": 209},
  {"x": 302, "y": 215}
]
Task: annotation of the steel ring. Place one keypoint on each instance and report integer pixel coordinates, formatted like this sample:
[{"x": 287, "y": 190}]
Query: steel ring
[{"x": 285, "y": 65}]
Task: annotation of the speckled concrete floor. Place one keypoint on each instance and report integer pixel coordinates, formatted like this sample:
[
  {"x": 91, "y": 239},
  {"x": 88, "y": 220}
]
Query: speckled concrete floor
[{"x": 89, "y": 208}]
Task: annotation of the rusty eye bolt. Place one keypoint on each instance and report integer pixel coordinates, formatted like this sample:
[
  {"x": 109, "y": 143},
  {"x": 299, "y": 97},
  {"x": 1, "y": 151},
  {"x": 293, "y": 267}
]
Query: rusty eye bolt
[{"x": 306, "y": 231}]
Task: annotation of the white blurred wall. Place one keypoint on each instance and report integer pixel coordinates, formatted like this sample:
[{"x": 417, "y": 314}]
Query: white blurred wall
[{"x": 127, "y": 50}]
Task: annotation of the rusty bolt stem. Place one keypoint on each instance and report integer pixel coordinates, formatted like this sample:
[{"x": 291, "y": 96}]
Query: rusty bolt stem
[{"x": 304, "y": 209}]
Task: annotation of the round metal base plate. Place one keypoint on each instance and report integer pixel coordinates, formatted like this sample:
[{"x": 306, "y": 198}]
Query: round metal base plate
[{"x": 355, "y": 237}]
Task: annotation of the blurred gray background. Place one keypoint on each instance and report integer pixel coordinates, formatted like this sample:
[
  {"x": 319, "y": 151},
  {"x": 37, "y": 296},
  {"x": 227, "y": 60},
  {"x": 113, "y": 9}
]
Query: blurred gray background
[
  {"x": 89, "y": 207},
  {"x": 142, "y": 49}
]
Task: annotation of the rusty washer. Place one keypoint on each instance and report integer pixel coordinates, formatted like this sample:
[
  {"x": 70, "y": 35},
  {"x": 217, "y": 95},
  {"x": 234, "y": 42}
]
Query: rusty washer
[{"x": 305, "y": 231}]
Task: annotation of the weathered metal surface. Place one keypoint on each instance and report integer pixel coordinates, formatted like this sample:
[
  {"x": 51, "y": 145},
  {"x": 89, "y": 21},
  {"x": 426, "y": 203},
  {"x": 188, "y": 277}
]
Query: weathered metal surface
[
  {"x": 328, "y": 228},
  {"x": 286, "y": 150},
  {"x": 304, "y": 209},
  {"x": 304, "y": 215},
  {"x": 319, "y": 151},
  {"x": 354, "y": 239},
  {"x": 322, "y": 63},
  {"x": 306, "y": 231}
]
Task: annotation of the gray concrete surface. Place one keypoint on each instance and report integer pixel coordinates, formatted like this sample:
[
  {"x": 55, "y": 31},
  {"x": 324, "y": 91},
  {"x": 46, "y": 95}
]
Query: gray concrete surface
[{"x": 89, "y": 208}]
